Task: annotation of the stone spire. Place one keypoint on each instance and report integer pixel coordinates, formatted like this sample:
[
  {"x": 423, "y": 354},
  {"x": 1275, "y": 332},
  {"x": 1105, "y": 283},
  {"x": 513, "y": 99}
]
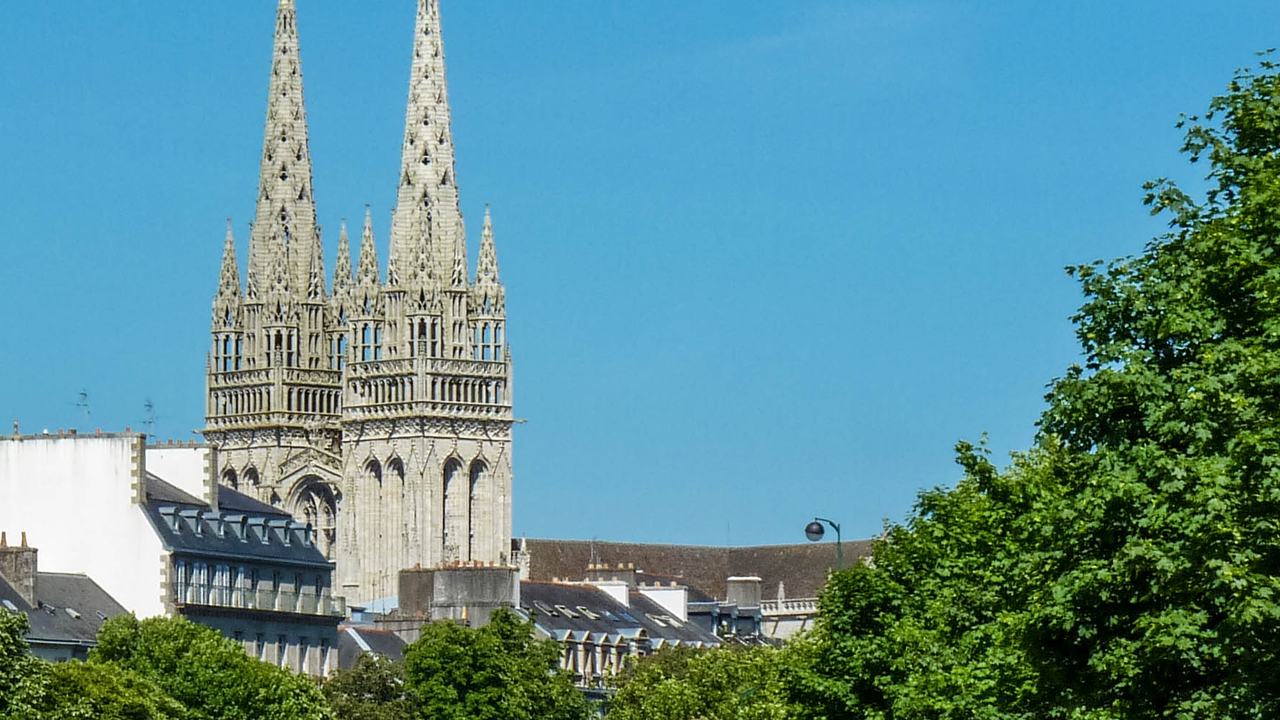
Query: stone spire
[
  {"x": 367, "y": 270},
  {"x": 367, "y": 299},
  {"x": 428, "y": 221},
  {"x": 229, "y": 283},
  {"x": 489, "y": 293},
  {"x": 343, "y": 275},
  {"x": 285, "y": 227},
  {"x": 226, "y": 302}
]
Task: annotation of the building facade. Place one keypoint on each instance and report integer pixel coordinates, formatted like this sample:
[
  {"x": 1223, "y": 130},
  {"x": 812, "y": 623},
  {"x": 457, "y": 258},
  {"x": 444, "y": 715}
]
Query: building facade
[
  {"x": 153, "y": 527},
  {"x": 376, "y": 408},
  {"x": 65, "y": 611}
]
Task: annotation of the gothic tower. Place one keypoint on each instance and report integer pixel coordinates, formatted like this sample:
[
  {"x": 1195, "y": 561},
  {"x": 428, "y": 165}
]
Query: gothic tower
[{"x": 380, "y": 411}]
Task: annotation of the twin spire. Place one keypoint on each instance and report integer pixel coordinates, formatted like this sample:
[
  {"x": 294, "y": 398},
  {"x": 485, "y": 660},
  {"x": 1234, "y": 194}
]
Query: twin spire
[
  {"x": 428, "y": 248},
  {"x": 427, "y": 229},
  {"x": 284, "y": 245}
]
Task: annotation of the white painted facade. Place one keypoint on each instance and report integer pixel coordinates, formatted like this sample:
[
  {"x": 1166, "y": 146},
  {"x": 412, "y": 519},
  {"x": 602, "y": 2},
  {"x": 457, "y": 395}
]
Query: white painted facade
[
  {"x": 673, "y": 598},
  {"x": 190, "y": 468},
  {"x": 78, "y": 499}
]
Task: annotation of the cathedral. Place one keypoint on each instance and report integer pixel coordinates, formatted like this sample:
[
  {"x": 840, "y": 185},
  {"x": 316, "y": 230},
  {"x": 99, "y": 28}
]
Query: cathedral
[{"x": 377, "y": 408}]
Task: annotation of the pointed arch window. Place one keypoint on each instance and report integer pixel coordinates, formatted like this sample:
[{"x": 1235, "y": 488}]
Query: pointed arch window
[
  {"x": 477, "y": 490},
  {"x": 453, "y": 513}
]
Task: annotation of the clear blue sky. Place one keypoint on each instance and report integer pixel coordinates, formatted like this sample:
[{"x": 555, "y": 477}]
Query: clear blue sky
[{"x": 764, "y": 260}]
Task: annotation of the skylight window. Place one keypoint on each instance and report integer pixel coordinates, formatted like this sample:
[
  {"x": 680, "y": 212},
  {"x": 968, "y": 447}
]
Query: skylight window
[
  {"x": 10, "y": 606},
  {"x": 74, "y": 614}
]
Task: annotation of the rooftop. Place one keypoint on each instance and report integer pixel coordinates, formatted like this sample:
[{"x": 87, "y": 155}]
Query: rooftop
[
  {"x": 69, "y": 610},
  {"x": 801, "y": 568}
]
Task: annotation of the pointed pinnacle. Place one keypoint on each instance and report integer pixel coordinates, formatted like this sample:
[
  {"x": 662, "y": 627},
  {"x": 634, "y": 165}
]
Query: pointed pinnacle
[
  {"x": 487, "y": 263},
  {"x": 367, "y": 272},
  {"x": 343, "y": 275},
  {"x": 229, "y": 283}
]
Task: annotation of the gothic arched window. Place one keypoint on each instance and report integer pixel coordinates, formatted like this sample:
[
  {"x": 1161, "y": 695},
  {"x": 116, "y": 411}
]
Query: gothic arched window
[
  {"x": 452, "y": 512},
  {"x": 477, "y": 489}
]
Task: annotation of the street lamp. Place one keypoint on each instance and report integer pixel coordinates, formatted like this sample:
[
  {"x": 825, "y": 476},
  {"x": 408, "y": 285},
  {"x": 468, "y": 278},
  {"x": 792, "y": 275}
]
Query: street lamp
[{"x": 814, "y": 531}]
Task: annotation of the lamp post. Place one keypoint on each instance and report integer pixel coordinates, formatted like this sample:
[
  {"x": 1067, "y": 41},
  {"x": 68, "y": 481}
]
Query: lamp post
[{"x": 814, "y": 531}]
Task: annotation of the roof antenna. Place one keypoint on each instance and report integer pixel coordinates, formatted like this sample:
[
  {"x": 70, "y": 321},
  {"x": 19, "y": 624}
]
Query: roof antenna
[
  {"x": 84, "y": 404},
  {"x": 150, "y": 422}
]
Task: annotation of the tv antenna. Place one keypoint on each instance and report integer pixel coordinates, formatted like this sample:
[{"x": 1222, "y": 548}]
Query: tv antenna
[
  {"x": 83, "y": 403},
  {"x": 150, "y": 422}
]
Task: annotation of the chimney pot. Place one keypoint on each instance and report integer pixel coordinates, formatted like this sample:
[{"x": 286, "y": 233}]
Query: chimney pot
[
  {"x": 127, "y": 430},
  {"x": 4, "y": 540},
  {"x": 97, "y": 431},
  {"x": 24, "y": 538}
]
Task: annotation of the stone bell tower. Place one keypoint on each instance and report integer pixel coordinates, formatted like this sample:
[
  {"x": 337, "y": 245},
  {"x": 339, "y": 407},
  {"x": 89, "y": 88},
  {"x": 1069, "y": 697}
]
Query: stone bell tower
[{"x": 379, "y": 411}]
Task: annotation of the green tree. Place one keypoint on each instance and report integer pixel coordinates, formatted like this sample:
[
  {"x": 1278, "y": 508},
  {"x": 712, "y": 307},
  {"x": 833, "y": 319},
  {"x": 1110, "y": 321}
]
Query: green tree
[
  {"x": 720, "y": 684},
  {"x": 497, "y": 672},
  {"x": 1128, "y": 565},
  {"x": 374, "y": 689},
  {"x": 22, "y": 677},
  {"x": 209, "y": 674},
  {"x": 100, "y": 691}
]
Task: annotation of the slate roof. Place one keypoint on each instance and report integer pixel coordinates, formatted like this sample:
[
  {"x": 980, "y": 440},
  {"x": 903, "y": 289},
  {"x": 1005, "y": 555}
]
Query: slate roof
[
  {"x": 612, "y": 620},
  {"x": 70, "y": 609},
  {"x": 802, "y": 568},
  {"x": 235, "y": 531},
  {"x": 354, "y": 640}
]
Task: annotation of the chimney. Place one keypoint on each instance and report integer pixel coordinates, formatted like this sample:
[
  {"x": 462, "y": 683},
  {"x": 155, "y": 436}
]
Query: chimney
[
  {"x": 18, "y": 568},
  {"x": 604, "y": 573},
  {"x": 744, "y": 591}
]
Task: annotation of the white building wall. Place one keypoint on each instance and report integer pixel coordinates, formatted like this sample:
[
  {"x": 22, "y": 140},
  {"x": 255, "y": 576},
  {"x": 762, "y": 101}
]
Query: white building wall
[
  {"x": 190, "y": 468},
  {"x": 76, "y": 498},
  {"x": 674, "y": 599}
]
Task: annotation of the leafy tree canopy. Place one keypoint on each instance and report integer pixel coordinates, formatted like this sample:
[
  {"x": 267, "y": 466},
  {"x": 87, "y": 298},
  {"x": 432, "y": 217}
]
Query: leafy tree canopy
[
  {"x": 720, "y": 684},
  {"x": 1128, "y": 565},
  {"x": 100, "y": 691},
  {"x": 373, "y": 689},
  {"x": 209, "y": 674},
  {"x": 497, "y": 672},
  {"x": 22, "y": 678}
]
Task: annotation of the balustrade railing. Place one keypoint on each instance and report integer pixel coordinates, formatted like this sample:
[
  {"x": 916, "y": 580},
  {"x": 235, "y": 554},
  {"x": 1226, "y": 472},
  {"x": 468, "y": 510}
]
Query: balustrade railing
[
  {"x": 302, "y": 603},
  {"x": 789, "y": 607}
]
